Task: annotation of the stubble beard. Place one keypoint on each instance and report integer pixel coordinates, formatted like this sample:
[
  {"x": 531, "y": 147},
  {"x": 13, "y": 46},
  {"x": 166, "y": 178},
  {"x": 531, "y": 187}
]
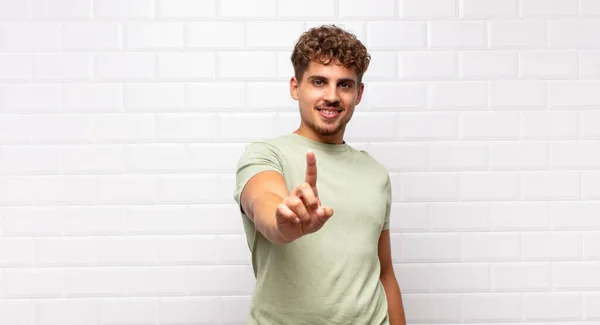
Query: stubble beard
[{"x": 324, "y": 129}]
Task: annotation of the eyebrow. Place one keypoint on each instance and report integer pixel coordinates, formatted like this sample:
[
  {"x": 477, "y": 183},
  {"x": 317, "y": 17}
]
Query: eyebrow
[{"x": 350, "y": 80}]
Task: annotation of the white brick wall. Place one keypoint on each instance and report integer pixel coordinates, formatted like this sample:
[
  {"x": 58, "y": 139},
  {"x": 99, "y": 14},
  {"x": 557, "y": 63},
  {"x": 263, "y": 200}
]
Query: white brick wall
[{"x": 121, "y": 122}]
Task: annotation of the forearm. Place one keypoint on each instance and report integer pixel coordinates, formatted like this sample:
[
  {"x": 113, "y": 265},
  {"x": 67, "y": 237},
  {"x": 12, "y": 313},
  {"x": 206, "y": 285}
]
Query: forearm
[
  {"x": 262, "y": 210},
  {"x": 394, "y": 299}
]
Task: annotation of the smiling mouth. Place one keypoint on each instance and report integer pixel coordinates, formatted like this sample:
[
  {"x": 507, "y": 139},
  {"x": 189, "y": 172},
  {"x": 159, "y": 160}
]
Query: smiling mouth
[{"x": 329, "y": 113}]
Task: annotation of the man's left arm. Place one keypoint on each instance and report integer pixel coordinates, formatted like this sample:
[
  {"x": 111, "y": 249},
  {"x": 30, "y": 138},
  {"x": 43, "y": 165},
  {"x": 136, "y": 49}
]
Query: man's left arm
[{"x": 388, "y": 279}]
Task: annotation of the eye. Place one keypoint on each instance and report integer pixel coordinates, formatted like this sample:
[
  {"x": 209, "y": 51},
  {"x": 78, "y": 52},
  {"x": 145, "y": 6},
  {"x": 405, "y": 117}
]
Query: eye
[
  {"x": 318, "y": 82},
  {"x": 346, "y": 85}
]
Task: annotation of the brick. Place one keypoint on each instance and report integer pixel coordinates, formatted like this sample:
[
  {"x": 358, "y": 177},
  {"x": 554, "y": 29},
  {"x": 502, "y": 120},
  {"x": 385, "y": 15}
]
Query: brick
[
  {"x": 590, "y": 8},
  {"x": 589, "y": 123},
  {"x": 214, "y": 157},
  {"x": 521, "y": 276},
  {"x": 591, "y": 243},
  {"x": 215, "y": 219},
  {"x": 32, "y": 283},
  {"x": 542, "y": 185},
  {"x": 185, "y": 66},
  {"x": 93, "y": 220},
  {"x": 125, "y": 128},
  {"x": 430, "y": 247},
  {"x": 156, "y": 220},
  {"x": 575, "y": 155},
  {"x": 459, "y": 216},
  {"x": 138, "y": 310},
  {"x": 32, "y": 221},
  {"x": 486, "y": 65},
  {"x": 575, "y": 216},
  {"x": 186, "y": 127},
  {"x": 153, "y": 158},
  {"x": 126, "y": 189},
  {"x": 61, "y": 67},
  {"x": 457, "y": 95},
  {"x": 410, "y": 278},
  {"x": 395, "y": 95},
  {"x": 489, "y": 247},
  {"x": 415, "y": 156},
  {"x": 235, "y": 9},
  {"x": 14, "y": 129},
  {"x": 490, "y": 9},
  {"x": 15, "y": 252},
  {"x": 590, "y": 185},
  {"x": 23, "y": 160},
  {"x": 124, "y": 67},
  {"x": 514, "y": 34},
  {"x": 234, "y": 309},
  {"x": 203, "y": 188},
  {"x": 153, "y": 97},
  {"x": 66, "y": 311},
  {"x": 186, "y": 9},
  {"x": 273, "y": 35},
  {"x": 234, "y": 66},
  {"x": 349, "y": 9},
  {"x": 408, "y": 217},
  {"x": 589, "y": 64},
  {"x": 518, "y": 94},
  {"x": 213, "y": 96},
  {"x": 233, "y": 126},
  {"x": 552, "y": 246},
  {"x": 268, "y": 96},
  {"x": 591, "y": 305},
  {"x": 63, "y": 128},
  {"x": 232, "y": 250},
  {"x": 514, "y": 216},
  {"x": 191, "y": 310},
  {"x": 123, "y": 9},
  {"x": 81, "y": 98},
  {"x": 433, "y": 308},
  {"x": 459, "y": 277},
  {"x": 573, "y": 33},
  {"x": 179, "y": 250},
  {"x": 153, "y": 36},
  {"x": 15, "y": 67},
  {"x": 216, "y": 35},
  {"x": 158, "y": 281},
  {"x": 492, "y": 307},
  {"x": 92, "y": 36},
  {"x": 548, "y": 64},
  {"x": 428, "y": 126},
  {"x": 552, "y": 306},
  {"x": 457, "y": 34},
  {"x": 576, "y": 275},
  {"x": 549, "y": 9},
  {"x": 486, "y": 186},
  {"x": 65, "y": 252},
  {"x": 455, "y": 157},
  {"x": 438, "y": 65},
  {"x": 490, "y": 125},
  {"x": 574, "y": 94},
  {"x": 523, "y": 155},
  {"x": 31, "y": 98},
  {"x": 60, "y": 9},
  {"x": 93, "y": 159},
  {"x": 16, "y": 312},
  {"x": 428, "y": 9},
  {"x": 442, "y": 186},
  {"x": 127, "y": 251},
  {"x": 95, "y": 282},
  {"x": 372, "y": 127},
  {"x": 290, "y": 9},
  {"x": 204, "y": 280},
  {"x": 383, "y": 66},
  {"x": 550, "y": 125},
  {"x": 29, "y": 37}
]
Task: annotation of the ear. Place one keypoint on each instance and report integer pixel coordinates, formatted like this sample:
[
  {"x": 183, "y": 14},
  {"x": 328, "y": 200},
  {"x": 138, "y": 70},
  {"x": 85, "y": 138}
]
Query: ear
[
  {"x": 361, "y": 89},
  {"x": 294, "y": 88}
]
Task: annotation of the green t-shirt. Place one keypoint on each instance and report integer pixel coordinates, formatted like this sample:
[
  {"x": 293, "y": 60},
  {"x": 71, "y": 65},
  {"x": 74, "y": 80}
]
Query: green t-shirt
[{"x": 330, "y": 276}]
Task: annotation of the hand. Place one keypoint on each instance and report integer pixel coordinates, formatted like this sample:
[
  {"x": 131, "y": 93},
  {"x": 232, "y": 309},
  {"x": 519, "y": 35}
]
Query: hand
[{"x": 301, "y": 212}]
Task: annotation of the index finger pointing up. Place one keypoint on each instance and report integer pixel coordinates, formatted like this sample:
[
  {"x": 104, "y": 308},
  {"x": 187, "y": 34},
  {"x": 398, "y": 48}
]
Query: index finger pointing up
[{"x": 311, "y": 171}]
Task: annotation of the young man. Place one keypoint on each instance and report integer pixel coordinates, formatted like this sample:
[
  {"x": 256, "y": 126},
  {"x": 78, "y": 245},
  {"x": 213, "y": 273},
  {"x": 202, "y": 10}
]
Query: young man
[{"x": 315, "y": 210}]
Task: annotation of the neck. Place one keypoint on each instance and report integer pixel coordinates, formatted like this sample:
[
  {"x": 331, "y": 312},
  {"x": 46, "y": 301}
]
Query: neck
[{"x": 309, "y": 133}]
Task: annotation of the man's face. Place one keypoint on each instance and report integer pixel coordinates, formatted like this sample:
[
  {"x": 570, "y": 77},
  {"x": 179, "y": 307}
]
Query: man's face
[{"x": 327, "y": 96}]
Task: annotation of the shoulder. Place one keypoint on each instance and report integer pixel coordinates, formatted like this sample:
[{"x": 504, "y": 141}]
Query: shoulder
[{"x": 374, "y": 165}]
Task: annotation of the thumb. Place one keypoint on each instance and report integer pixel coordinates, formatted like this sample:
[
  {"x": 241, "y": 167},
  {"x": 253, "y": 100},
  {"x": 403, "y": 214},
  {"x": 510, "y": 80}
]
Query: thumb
[{"x": 324, "y": 213}]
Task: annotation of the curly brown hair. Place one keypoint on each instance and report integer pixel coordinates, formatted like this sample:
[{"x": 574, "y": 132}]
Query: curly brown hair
[{"x": 330, "y": 43}]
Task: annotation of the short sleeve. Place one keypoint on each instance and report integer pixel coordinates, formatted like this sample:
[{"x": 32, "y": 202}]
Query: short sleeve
[
  {"x": 256, "y": 158},
  {"x": 388, "y": 208}
]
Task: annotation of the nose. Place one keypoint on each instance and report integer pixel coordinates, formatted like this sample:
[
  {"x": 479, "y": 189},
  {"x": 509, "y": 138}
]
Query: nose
[{"x": 331, "y": 94}]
